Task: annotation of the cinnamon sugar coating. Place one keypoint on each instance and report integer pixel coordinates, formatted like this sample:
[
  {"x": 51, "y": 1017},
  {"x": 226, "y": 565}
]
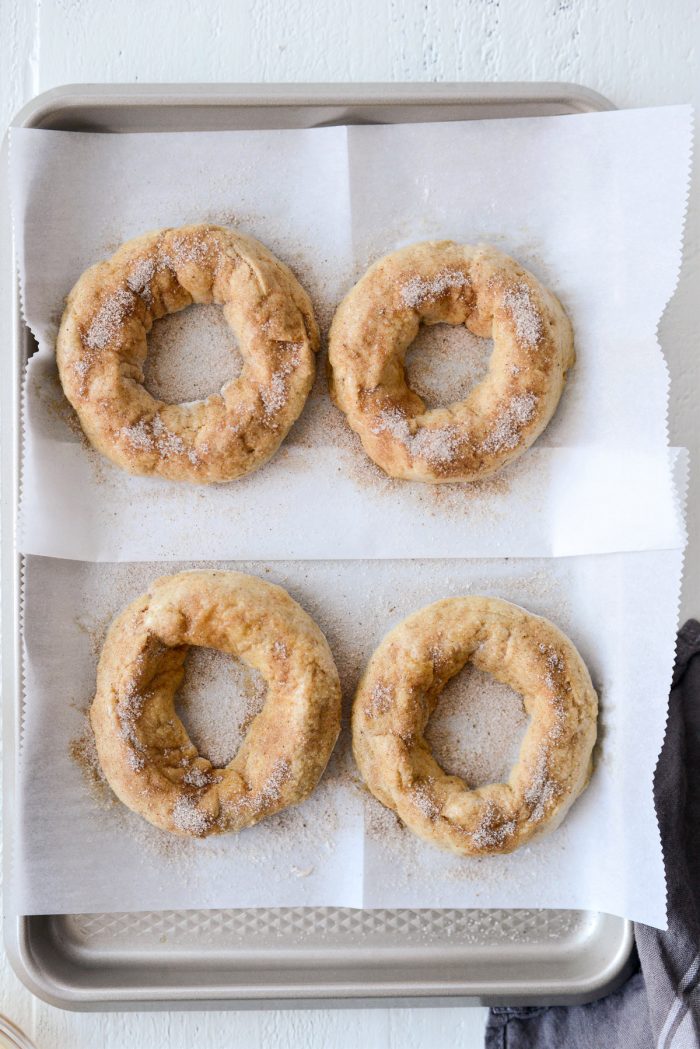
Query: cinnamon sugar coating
[
  {"x": 491, "y": 295},
  {"x": 143, "y": 747},
  {"x": 102, "y": 347},
  {"x": 401, "y": 688}
]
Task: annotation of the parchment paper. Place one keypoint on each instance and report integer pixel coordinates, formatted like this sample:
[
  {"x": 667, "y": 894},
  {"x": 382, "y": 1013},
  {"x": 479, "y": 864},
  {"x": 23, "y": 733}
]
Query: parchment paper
[
  {"x": 593, "y": 204},
  {"x": 78, "y": 852}
]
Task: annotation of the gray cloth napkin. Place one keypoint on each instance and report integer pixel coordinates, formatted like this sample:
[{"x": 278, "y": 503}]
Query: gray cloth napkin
[{"x": 659, "y": 1005}]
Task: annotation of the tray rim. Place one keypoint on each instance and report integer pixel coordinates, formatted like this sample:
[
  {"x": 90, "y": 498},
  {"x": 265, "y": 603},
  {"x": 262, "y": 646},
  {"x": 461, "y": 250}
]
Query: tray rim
[
  {"x": 61, "y": 994},
  {"x": 72, "y": 96},
  {"x": 70, "y": 99}
]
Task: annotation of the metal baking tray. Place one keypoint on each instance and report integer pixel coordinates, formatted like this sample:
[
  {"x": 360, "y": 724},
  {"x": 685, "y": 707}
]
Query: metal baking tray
[{"x": 292, "y": 956}]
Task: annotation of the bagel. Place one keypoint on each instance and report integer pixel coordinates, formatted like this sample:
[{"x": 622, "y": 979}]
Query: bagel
[
  {"x": 102, "y": 347},
  {"x": 491, "y": 295},
  {"x": 401, "y": 687},
  {"x": 144, "y": 750}
]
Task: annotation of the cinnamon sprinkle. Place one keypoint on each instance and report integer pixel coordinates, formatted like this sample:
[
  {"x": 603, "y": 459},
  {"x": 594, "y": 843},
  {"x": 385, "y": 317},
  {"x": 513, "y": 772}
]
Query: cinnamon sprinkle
[
  {"x": 417, "y": 290},
  {"x": 510, "y": 423},
  {"x": 493, "y": 830},
  {"x": 528, "y": 323},
  {"x": 437, "y": 445},
  {"x": 188, "y": 817}
]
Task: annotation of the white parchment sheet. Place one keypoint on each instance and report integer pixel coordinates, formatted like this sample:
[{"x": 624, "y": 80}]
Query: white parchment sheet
[
  {"x": 79, "y": 851},
  {"x": 593, "y": 204}
]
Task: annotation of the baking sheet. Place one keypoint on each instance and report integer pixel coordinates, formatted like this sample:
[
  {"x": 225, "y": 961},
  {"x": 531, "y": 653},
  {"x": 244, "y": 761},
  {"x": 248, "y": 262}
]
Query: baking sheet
[
  {"x": 563, "y": 194},
  {"x": 79, "y": 850}
]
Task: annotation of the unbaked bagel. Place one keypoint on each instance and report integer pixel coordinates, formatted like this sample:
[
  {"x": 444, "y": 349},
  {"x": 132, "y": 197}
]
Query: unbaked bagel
[
  {"x": 143, "y": 747},
  {"x": 401, "y": 688},
  {"x": 494, "y": 297},
  {"x": 102, "y": 347}
]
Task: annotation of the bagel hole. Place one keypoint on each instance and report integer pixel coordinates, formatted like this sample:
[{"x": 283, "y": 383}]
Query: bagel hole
[
  {"x": 218, "y": 699},
  {"x": 445, "y": 361},
  {"x": 191, "y": 354},
  {"x": 477, "y": 728}
]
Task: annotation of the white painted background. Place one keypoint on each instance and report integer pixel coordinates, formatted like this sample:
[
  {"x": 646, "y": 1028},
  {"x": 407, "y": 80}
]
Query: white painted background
[{"x": 637, "y": 52}]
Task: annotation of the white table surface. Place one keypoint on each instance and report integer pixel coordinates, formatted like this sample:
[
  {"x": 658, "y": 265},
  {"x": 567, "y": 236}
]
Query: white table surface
[{"x": 637, "y": 52}]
